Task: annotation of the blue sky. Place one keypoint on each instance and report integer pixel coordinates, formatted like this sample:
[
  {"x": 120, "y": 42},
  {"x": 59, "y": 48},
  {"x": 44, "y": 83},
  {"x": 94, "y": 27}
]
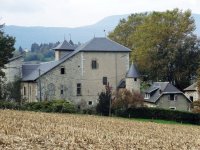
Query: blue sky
[{"x": 74, "y": 13}]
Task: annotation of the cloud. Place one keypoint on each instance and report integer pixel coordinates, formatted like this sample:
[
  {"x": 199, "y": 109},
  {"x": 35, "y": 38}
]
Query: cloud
[
  {"x": 71, "y": 13},
  {"x": 21, "y": 6}
]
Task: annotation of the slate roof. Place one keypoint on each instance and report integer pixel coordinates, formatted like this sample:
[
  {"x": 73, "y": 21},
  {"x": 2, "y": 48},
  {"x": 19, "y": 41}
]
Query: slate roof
[
  {"x": 192, "y": 87},
  {"x": 30, "y": 72},
  {"x": 64, "y": 46},
  {"x": 133, "y": 72},
  {"x": 122, "y": 84},
  {"x": 102, "y": 44},
  {"x": 14, "y": 58},
  {"x": 160, "y": 88}
]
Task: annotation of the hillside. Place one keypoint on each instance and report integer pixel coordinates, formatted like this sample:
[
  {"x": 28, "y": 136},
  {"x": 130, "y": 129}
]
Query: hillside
[
  {"x": 25, "y": 36},
  {"x": 34, "y": 130}
]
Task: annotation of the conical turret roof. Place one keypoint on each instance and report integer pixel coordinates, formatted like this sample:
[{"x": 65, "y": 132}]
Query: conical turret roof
[
  {"x": 64, "y": 46},
  {"x": 133, "y": 72}
]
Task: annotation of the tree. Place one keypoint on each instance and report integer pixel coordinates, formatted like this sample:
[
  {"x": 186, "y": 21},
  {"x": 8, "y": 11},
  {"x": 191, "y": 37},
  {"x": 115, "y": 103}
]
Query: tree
[
  {"x": 103, "y": 107},
  {"x": 6, "y": 49},
  {"x": 12, "y": 90},
  {"x": 164, "y": 46},
  {"x": 125, "y": 99}
]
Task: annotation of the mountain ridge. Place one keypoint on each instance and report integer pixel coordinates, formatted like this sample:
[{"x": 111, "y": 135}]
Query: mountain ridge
[{"x": 25, "y": 36}]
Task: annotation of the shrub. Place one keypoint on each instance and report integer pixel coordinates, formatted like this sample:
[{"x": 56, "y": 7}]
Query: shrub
[
  {"x": 9, "y": 105},
  {"x": 125, "y": 99},
  {"x": 155, "y": 113},
  {"x": 104, "y": 103}
]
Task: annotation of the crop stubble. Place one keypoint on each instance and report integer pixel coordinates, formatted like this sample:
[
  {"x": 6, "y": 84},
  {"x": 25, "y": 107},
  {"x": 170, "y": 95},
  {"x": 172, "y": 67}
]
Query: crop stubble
[{"x": 34, "y": 130}]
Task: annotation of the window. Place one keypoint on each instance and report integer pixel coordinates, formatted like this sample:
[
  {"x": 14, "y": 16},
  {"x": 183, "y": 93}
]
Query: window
[
  {"x": 172, "y": 108},
  {"x": 104, "y": 80},
  {"x": 89, "y": 102},
  {"x": 24, "y": 90},
  {"x": 61, "y": 92},
  {"x": 94, "y": 64},
  {"x": 191, "y": 98},
  {"x": 146, "y": 96},
  {"x": 171, "y": 97},
  {"x": 78, "y": 90},
  {"x": 135, "y": 79},
  {"x": 61, "y": 89},
  {"x": 62, "y": 70}
]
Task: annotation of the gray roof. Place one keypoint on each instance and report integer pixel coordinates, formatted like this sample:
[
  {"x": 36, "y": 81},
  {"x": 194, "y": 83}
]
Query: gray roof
[
  {"x": 160, "y": 88},
  {"x": 133, "y": 72},
  {"x": 103, "y": 44},
  {"x": 192, "y": 87},
  {"x": 64, "y": 46},
  {"x": 30, "y": 72},
  {"x": 14, "y": 58}
]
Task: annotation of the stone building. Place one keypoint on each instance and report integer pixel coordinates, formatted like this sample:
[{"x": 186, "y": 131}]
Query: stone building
[
  {"x": 133, "y": 79},
  {"x": 191, "y": 92},
  {"x": 13, "y": 68},
  {"x": 165, "y": 95},
  {"x": 78, "y": 74}
]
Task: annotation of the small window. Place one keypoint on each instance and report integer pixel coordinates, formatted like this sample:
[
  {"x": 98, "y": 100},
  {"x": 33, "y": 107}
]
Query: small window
[
  {"x": 94, "y": 64},
  {"x": 62, "y": 89},
  {"x": 89, "y": 102},
  {"x": 62, "y": 70},
  {"x": 160, "y": 92},
  {"x": 147, "y": 96},
  {"x": 191, "y": 98},
  {"x": 135, "y": 79},
  {"x": 61, "y": 92},
  {"x": 78, "y": 90},
  {"x": 24, "y": 90},
  {"x": 104, "y": 80},
  {"x": 172, "y": 108},
  {"x": 171, "y": 97}
]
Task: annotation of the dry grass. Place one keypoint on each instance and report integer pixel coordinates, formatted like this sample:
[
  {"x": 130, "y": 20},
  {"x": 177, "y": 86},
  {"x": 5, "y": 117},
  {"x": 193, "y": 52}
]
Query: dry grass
[{"x": 30, "y": 130}]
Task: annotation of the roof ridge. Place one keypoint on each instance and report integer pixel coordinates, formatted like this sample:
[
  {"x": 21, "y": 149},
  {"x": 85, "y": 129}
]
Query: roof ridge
[{"x": 117, "y": 43}]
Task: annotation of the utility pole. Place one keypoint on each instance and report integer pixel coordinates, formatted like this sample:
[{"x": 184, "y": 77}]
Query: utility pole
[
  {"x": 116, "y": 71},
  {"x": 40, "y": 86}
]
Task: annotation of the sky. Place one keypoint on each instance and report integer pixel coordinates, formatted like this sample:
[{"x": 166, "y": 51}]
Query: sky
[{"x": 75, "y": 13}]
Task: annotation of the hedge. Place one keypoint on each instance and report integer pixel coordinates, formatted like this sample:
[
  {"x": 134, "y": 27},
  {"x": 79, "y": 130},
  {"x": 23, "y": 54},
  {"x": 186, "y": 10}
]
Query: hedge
[
  {"x": 163, "y": 114},
  {"x": 60, "y": 106}
]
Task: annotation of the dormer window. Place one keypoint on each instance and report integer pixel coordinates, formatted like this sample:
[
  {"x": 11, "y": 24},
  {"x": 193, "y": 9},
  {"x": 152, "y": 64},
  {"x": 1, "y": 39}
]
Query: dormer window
[
  {"x": 147, "y": 96},
  {"x": 172, "y": 97},
  {"x": 62, "y": 70}
]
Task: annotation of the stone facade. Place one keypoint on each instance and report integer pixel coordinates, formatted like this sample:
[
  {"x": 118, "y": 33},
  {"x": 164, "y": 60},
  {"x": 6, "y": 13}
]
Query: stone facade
[
  {"x": 181, "y": 103},
  {"x": 29, "y": 91},
  {"x": 133, "y": 84},
  {"x": 192, "y": 95},
  {"x": 80, "y": 83},
  {"x": 60, "y": 54},
  {"x": 13, "y": 69}
]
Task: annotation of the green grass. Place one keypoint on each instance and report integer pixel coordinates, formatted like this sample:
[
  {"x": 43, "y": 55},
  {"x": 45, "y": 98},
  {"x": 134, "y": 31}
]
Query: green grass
[{"x": 159, "y": 121}]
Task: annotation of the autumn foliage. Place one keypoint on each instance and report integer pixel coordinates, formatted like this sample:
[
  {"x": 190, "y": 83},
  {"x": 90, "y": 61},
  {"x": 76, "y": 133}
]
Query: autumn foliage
[{"x": 124, "y": 99}]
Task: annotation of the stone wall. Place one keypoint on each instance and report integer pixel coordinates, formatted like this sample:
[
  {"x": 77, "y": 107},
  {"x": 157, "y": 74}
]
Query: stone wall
[
  {"x": 193, "y": 94},
  {"x": 78, "y": 70},
  {"x": 133, "y": 84},
  {"x": 13, "y": 68},
  {"x": 29, "y": 91},
  {"x": 181, "y": 103}
]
